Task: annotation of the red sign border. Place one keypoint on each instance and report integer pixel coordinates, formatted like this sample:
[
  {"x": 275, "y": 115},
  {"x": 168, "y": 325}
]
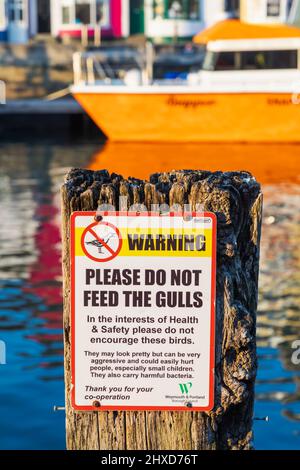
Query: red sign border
[{"x": 210, "y": 405}]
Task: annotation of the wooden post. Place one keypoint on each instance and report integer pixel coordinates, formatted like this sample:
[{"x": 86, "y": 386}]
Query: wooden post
[
  {"x": 236, "y": 199},
  {"x": 97, "y": 35},
  {"x": 77, "y": 67},
  {"x": 90, "y": 70},
  {"x": 84, "y": 35},
  {"x": 149, "y": 51}
]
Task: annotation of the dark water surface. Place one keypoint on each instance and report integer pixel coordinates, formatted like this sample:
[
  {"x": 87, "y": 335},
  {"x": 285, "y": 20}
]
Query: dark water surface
[{"x": 31, "y": 305}]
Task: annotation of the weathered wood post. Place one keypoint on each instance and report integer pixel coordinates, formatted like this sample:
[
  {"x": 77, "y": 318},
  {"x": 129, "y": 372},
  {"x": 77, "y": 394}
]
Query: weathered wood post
[{"x": 236, "y": 200}]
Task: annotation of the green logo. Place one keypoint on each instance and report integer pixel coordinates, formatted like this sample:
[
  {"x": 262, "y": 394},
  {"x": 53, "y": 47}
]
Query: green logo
[{"x": 184, "y": 388}]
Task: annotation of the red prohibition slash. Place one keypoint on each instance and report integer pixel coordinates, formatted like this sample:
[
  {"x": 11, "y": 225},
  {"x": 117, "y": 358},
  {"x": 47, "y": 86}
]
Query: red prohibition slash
[{"x": 103, "y": 243}]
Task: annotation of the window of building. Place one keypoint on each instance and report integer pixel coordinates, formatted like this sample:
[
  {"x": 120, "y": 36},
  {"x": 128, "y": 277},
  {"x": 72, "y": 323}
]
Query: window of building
[
  {"x": 273, "y": 8},
  {"x": 16, "y": 10},
  {"x": 66, "y": 14},
  {"x": 289, "y": 6},
  {"x": 158, "y": 8},
  {"x": 82, "y": 11},
  {"x": 194, "y": 10},
  {"x": 67, "y": 11},
  {"x": 177, "y": 9},
  {"x": 2, "y": 15},
  {"x": 102, "y": 12},
  {"x": 182, "y": 9},
  {"x": 85, "y": 12},
  {"x": 232, "y": 6}
]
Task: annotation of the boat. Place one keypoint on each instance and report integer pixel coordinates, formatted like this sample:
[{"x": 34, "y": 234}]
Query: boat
[{"x": 248, "y": 90}]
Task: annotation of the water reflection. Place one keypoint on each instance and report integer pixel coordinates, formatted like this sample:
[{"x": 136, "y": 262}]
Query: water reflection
[
  {"x": 30, "y": 277},
  {"x": 277, "y": 167},
  {"x": 270, "y": 163},
  {"x": 279, "y": 307},
  {"x": 30, "y": 291}
]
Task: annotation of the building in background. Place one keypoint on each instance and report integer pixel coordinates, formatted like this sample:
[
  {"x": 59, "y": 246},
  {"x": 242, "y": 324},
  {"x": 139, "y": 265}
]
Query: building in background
[
  {"x": 172, "y": 19},
  {"x": 156, "y": 19},
  {"x": 265, "y": 11},
  {"x": 18, "y": 20},
  {"x": 294, "y": 15},
  {"x": 69, "y": 16},
  {"x": 43, "y": 16},
  {"x": 159, "y": 20},
  {"x": 22, "y": 19},
  {"x": 182, "y": 19},
  {"x": 217, "y": 10},
  {"x": 3, "y": 21}
]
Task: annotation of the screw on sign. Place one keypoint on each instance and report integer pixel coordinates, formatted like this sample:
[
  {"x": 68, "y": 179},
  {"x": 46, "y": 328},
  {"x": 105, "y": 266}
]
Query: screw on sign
[{"x": 101, "y": 241}]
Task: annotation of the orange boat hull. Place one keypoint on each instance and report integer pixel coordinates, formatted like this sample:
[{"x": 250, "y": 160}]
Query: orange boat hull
[{"x": 194, "y": 117}]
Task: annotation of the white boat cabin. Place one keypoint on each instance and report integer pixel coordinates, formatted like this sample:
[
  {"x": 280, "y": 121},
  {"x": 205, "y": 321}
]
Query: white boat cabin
[{"x": 252, "y": 62}]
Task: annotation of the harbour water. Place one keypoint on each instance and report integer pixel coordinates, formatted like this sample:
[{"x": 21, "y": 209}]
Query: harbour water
[{"x": 31, "y": 382}]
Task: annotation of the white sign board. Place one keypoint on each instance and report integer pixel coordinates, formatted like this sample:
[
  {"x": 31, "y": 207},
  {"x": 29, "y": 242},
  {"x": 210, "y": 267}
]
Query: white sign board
[{"x": 142, "y": 311}]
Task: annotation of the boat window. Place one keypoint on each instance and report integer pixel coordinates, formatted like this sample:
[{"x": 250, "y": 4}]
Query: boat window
[
  {"x": 226, "y": 61},
  {"x": 209, "y": 60},
  {"x": 253, "y": 60},
  {"x": 250, "y": 60}
]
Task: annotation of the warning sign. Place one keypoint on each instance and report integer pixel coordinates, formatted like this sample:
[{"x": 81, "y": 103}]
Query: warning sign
[{"x": 142, "y": 323}]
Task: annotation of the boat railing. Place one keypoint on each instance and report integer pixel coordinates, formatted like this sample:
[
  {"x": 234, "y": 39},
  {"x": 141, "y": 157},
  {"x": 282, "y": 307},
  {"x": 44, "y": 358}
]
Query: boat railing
[
  {"x": 98, "y": 67},
  {"x": 131, "y": 65}
]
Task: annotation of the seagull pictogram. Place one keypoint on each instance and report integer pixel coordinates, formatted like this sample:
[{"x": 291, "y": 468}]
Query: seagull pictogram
[{"x": 100, "y": 245}]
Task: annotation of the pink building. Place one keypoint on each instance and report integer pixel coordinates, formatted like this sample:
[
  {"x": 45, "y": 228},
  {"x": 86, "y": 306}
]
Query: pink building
[{"x": 69, "y": 16}]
